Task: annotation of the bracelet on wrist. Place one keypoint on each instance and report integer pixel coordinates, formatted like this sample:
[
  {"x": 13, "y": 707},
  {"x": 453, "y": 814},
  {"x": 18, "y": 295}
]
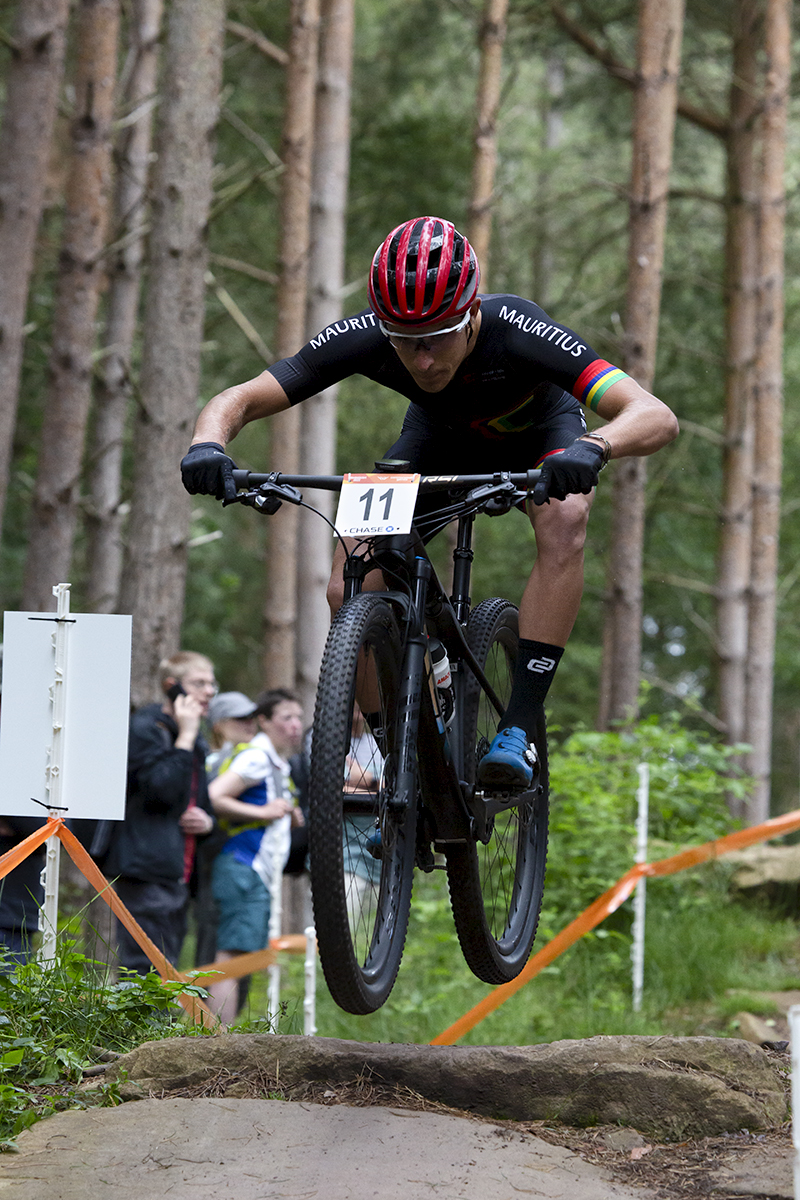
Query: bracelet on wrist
[{"x": 598, "y": 437}]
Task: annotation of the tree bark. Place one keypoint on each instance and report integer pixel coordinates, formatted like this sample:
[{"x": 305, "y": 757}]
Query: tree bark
[
  {"x": 484, "y": 159},
  {"x": 54, "y": 510},
  {"x": 325, "y": 280},
  {"x": 768, "y": 406},
  {"x": 658, "y": 55},
  {"x": 155, "y": 573},
  {"x": 32, "y": 85},
  {"x": 280, "y": 614},
  {"x": 741, "y": 261},
  {"x": 113, "y": 385}
]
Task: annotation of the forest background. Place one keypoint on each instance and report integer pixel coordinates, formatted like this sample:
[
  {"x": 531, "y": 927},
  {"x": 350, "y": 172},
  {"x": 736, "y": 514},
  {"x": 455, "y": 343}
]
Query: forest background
[{"x": 560, "y": 228}]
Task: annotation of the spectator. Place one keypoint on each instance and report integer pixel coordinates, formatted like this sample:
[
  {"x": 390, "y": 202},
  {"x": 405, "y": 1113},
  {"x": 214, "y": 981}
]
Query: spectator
[
  {"x": 151, "y": 853},
  {"x": 232, "y": 717},
  {"x": 254, "y": 802},
  {"x": 21, "y": 893}
]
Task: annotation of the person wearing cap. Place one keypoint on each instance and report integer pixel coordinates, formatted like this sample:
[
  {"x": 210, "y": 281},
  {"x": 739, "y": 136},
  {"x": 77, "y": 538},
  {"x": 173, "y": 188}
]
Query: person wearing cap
[
  {"x": 252, "y": 796},
  {"x": 232, "y": 717},
  {"x": 150, "y": 858}
]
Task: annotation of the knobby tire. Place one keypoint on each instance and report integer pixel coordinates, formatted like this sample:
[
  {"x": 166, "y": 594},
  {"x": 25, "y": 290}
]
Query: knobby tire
[
  {"x": 496, "y": 889},
  {"x": 361, "y": 900}
]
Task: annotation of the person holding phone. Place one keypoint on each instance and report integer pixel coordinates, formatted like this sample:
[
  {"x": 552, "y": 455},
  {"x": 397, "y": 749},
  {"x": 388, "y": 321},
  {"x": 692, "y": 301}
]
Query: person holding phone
[{"x": 151, "y": 854}]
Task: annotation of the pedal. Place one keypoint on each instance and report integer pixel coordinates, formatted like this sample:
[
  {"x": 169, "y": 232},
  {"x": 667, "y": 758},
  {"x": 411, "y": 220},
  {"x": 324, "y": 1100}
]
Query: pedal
[{"x": 485, "y": 806}]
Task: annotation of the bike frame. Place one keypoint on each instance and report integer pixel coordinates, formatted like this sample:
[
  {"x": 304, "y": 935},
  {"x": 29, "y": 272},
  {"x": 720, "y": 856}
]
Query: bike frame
[{"x": 429, "y": 754}]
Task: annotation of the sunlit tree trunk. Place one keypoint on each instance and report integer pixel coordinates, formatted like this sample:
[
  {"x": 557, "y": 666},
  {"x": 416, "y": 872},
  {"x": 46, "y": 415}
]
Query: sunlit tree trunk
[
  {"x": 768, "y": 406},
  {"x": 113, "y": 383},
  {"x": 658, "y": 56},
  {"x": 741, "y": 258},
  {"x": 280, "y": 613},
  {"x": 484, "y": 158},
  {"x": 54, "y": 509},
  {"x": 26, "y": 134},
  {"x": 155, "y": 571},
  {"x": 325, "y": 279}
]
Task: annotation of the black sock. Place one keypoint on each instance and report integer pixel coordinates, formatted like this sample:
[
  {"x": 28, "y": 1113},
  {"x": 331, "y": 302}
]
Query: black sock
[{"x": 533, "y": 674}]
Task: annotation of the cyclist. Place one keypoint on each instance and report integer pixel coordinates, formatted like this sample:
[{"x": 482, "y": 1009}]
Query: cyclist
[{"x": 493, "y": 384}]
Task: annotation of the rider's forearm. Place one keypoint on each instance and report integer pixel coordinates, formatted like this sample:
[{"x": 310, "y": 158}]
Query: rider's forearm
[
  {"x": 639, "y": 425},
  {"x": 229, "y": 411}
]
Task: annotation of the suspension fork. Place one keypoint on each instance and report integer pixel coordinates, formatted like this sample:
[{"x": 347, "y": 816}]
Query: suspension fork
[{"x": 411, "y": 684}]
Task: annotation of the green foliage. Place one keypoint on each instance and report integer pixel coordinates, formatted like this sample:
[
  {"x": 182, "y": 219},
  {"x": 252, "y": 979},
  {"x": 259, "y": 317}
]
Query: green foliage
[
  {"x": 56, "y": 1017},
  {"x": 593, "y": 784},
  {"x": 699, "y": 942}
]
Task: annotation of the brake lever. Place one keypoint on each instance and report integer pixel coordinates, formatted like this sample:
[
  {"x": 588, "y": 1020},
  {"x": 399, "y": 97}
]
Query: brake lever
[
  {"x": 495, "y": 499},
  {"x": 267, "y": 497}
]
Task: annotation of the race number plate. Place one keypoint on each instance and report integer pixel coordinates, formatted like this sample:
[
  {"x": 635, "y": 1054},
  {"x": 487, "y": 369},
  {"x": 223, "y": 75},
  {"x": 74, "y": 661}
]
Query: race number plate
[{"x": 376, "y": 505}]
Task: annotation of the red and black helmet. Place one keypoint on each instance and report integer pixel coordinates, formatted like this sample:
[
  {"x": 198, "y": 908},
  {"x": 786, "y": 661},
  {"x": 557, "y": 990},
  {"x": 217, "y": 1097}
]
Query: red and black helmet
[{"x": 425, "y": 271}]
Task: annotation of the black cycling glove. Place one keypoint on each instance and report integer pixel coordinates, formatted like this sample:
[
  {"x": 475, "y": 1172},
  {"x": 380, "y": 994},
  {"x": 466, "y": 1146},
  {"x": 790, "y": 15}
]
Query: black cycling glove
[
  {"x": 208, "y": 471},
  {"x": 574, "y": 469}
]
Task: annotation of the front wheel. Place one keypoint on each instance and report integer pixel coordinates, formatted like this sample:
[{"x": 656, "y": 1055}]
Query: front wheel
[
  {"x": 496, "y": 889},
  {"x": 361, "y": 842}
]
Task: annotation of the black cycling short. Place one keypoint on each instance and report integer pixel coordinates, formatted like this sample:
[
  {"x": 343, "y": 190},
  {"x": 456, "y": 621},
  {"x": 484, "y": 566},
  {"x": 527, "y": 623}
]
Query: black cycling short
[{"x": 435, "y": 449}]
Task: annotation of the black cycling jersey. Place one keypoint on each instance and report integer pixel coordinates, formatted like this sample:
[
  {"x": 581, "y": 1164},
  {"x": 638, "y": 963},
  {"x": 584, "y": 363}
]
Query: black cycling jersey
[{"x": 524, "y": 370}]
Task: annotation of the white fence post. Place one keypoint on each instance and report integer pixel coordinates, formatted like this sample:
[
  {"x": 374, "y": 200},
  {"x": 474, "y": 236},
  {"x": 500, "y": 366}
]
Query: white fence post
[
  {"x": 55, "y": 774},
  {"x": 640, "y": 896},
  {"x": 310, "y": 995},
  {"x": 275, "y": 930},
  {"x": 794, "y": 1034}
]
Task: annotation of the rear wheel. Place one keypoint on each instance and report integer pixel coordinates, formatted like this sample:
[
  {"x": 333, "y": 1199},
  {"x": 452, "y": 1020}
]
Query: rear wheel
[
  {"x": 496, "y": 889},
  {"x": 361, "y": 844}
]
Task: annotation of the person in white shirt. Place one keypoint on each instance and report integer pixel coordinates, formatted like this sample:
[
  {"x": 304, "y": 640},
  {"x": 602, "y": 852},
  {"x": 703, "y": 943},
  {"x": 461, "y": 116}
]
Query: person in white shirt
[{"x": 253, "y": 800}]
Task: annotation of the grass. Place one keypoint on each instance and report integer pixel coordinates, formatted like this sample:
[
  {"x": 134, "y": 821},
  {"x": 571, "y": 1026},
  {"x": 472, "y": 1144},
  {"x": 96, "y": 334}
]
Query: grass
[{"x": 699, "y": 948}]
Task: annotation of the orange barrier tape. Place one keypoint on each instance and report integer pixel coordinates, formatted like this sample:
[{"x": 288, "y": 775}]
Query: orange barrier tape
[
  {"x": 255, "y": 960},
  {"x": 86, "y": 865},
  {"x": 193, "y": 1005},
  {"x": 608, "y": 903},
  {"x": 17, "y": 854}
]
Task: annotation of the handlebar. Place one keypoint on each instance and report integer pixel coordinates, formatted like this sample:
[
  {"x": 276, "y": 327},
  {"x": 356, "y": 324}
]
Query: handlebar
[{"x": 523, "y": 480}]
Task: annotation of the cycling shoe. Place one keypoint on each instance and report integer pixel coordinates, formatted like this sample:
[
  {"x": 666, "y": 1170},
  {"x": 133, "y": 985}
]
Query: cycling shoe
[
  {"x": 374, "y": 843},
  {"x": 509, "y": 762}
]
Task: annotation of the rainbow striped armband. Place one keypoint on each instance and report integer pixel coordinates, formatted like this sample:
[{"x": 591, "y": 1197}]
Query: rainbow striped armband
[{"x": 595, "y": 380}]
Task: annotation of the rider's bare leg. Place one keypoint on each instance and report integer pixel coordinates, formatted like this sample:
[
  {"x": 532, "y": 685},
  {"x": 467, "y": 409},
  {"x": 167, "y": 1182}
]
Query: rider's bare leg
[
  {"x": 547, "y": 614},
  {"x": 552, "y": 597}
]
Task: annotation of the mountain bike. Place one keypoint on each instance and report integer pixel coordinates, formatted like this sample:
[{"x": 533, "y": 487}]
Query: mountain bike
[{"x": 395, "y": 747}]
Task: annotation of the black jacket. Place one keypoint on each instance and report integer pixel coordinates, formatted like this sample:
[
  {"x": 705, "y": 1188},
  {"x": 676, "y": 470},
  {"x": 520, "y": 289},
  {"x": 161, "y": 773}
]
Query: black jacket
[{"x": 149, "y": 844}]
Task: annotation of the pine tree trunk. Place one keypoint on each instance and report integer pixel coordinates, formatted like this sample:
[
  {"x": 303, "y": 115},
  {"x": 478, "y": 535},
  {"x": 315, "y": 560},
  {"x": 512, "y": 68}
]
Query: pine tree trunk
[
  {"x": 325, "y": 279},
  {"x": 104, "y": 518},
  {"x": 154, "y": 579},
  {"x": 32, "y": 85},
  {"x": 484, "y": 159},
  {"x": 659, "y": 47},
  {"x": 768, "y": 406},
  {"x": 280, "y": 613},
  {"x": 54, "y": 510},
  {"x": 741, "y": 258}
]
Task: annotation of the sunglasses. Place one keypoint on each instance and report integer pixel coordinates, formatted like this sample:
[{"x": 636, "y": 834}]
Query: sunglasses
[{"x": 421, "y": 338}]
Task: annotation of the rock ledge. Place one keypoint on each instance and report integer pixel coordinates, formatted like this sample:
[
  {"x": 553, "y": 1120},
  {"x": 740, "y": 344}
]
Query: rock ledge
[{"x": 669, "y": 1088}]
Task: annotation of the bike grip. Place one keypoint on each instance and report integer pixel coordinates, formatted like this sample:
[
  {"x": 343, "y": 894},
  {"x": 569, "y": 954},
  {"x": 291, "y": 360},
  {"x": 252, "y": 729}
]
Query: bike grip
[
  {"x": 534, "y": 476},
  {"x": 240, "y": 477}
]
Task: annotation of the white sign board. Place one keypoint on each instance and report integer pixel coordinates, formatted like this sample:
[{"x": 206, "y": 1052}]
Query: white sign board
[{"x": 96, "y": 714}]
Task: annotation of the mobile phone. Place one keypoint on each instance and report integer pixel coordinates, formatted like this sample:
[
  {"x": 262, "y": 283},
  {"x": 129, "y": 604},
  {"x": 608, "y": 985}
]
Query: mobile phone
[{"x": 177, "y": 689}]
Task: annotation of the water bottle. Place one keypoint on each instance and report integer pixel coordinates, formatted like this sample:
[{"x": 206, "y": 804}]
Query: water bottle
[{"x": 443, "y": 680}]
